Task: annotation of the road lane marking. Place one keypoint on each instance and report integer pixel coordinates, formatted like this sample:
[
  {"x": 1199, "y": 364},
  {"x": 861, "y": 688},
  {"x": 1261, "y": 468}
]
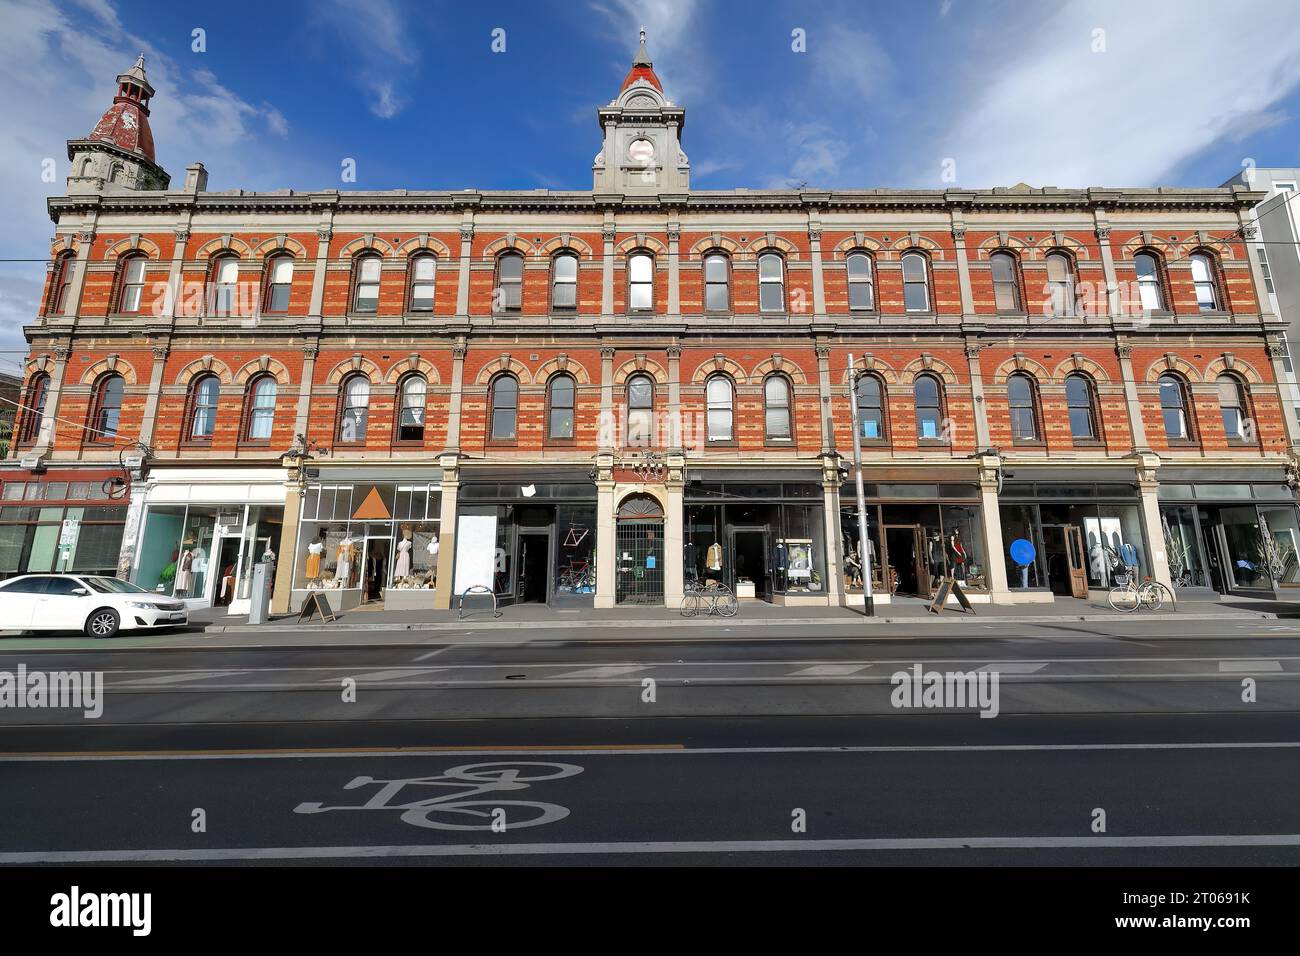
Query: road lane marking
[
  {"x": 177, "y": 678},
  {"x": 616, "y": 750},
  {"x": 1014, "y": 667},
  {"x": 1248, "y": 667},
  {"x": 364, "y": 676},
  {"x": 874, "y": 844},
  {"x": 829, "y": 670},
  {"x": 607, "y": 670}
]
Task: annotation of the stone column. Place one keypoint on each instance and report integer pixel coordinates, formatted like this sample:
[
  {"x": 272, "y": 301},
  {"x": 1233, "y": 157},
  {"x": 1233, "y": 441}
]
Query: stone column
[
  {"x": 674, "y": 537},
  {"x": 608, "y": 437},
  {"x": 466, "y": 260},
  {"x": 45, "y": 437},
  {"x": 1277, "y": 352},
  {"x": 977, "y": 396},
  {"x": 963, "y": 263},
  {"x": 1136, "y": 427},
  {"x": 175, "y": 293},
  {"x": 85, "y": 240},
  {"x": 155, "y": 391},
  {"x": 674, "y": 398},
  {"x": 606, "y": 532},
  {"x": 287, "y": 551},
  {"x": 457, "y": 395},
  {"x": 1148, "y": 485},
  {"x": 309, "y": 353},
  {"x": 1108, "y": 265},
  {"x": 824, "y": 398},
  {"x": 608, "y": 232},
  {"x": 815, "y": 254},
  {"x": 323, "y": 237},
  {"x": 445, "y": 585},
  {"x": 674, "y": 271},
  {"x": 995, "y": 563},
  {"x": 834, "y": 584}
]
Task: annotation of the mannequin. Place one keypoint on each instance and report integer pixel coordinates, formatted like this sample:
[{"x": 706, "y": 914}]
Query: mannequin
[
  {"x": 183, "y": 571},
  {"x": 314, "y": 552},
  {"x": 403, "y": 566},
  {"x": 958, "y": 555},
  {"x": 343, "y": 572}
]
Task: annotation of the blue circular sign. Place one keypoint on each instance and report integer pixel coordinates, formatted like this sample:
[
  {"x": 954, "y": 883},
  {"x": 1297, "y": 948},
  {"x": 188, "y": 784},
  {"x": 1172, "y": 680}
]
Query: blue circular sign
[{"x": 1022, "y": 551}]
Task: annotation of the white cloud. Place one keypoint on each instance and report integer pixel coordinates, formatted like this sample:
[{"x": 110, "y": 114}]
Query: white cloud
[
  {"x": 673, "y": 40},
  {"x": 1036, "y": 104},
  {"x": 382, "y": 46},
  {"x": 57, "y": 67}
]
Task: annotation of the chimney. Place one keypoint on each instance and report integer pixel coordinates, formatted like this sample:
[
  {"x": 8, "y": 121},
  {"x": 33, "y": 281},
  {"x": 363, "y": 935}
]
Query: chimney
[{"x": 196, "y": 178}]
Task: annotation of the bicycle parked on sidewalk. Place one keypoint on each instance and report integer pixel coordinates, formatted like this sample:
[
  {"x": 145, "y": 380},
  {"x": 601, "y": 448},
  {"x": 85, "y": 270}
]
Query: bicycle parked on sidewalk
[
  {"x": 1150, "y": 595},
  {"x": 711, "y": 598}
]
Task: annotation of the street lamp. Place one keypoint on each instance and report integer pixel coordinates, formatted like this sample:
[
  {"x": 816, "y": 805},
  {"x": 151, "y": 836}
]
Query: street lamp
[{"x": 864, "y": 555}]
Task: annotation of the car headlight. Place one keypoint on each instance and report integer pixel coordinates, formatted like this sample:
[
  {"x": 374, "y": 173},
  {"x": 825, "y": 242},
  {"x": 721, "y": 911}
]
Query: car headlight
[{"x": 142, "y": 604}]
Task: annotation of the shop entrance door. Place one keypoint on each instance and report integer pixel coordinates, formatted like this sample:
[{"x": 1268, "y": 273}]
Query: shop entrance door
[
  {"x": 534, "y": 559},
  {"x": 749, "y": 559},
  {"x": 905, "y": 548},
  {"x": 1057, "y": 555},
  {"x": 1075, "y": 557},
  {"x": 375, "y": 570},
  {"x": 226, "y": 552}
]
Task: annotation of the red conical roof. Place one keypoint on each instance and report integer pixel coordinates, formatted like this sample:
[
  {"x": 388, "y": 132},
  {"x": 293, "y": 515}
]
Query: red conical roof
[
  {"x": 642, "y": 69},
  {"x": 125, "y": 124}
]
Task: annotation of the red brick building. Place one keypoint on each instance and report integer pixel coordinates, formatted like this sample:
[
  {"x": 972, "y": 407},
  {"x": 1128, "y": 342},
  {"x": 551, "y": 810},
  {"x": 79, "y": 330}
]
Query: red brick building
[{"x": 599, "y": 396}]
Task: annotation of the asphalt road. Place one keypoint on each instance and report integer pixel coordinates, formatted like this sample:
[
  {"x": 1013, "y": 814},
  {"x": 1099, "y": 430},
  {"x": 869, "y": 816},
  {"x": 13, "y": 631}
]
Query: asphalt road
[{"x": 556, "y": 752}]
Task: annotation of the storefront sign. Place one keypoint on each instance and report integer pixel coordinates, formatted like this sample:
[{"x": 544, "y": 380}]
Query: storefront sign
[{"x": 476, "y": 543}]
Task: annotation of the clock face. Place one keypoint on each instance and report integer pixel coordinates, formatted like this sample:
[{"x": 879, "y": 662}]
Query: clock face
[{"x": 641, "y": 152}]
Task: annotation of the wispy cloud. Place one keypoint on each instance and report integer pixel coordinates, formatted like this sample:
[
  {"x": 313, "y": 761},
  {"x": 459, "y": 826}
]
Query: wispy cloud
[{"x": 382, "y": 48}]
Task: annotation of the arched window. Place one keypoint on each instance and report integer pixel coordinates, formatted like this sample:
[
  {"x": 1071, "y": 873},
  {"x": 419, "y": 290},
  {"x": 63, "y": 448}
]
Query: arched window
[
  {"x": 777, "y": 425},
  {"x": 862, "y": 287},
  {"x": 365, "y": 283},
  {"x": 504, "y": 398},
  {"x": 510, "y": 281},
  {"x": 1060, "y": 284},
  {"x": 225, "y": 285},
  {"x": 106, "y": 413},
  {"x": 60, "y": 284},
  {"x": 1006, "y": 288},
  {"x": 717, "y": 285},
  {"x": 355, "y": 415},
  {"x": 1232, "y": 405},
  {"x": 870, "y": 397},
  {"x": 261, "y": 408},
  {"x": 640, "y": 409},
  {"x": 771, "y": 283},
  {"x": 412, "y": 393},
  {"x": 1173, "y": 408},
  {"x": 1207, "y": 287},
  {"x": 720, "y": 416},
  {"x": 640, "y": 282},
  {"x": 1023, "y": 406},
  {"x": 561, "y": 393},
  {"x": 423, "y": 267},
  {"x": 132, "y": 279},
  {"x": 916, "y": 282},
  {"x": 1080, "y": 400},
  {"x": 204, "y": 394},
  {"x": 928, "y": 397},
  {"x": 279, "y": 283},
  {"x": 34, "y": 411},
  {"x": 1150, "y": 287},
  {"x": 564, "y": 281}
]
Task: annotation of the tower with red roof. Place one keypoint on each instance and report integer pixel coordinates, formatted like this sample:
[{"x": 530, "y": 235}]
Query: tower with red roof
[
  {"x": 642, "y": 151},
  {"x": 118, "y": 154}
]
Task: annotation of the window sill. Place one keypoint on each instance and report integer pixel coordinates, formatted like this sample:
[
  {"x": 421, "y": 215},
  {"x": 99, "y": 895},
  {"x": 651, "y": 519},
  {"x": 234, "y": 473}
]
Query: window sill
[
  {"x": 730, "y": 443},
  {"x": 1028, "y": 443},
  {"x": 932, "y": 443},
  {"x": 1088, "y": 443},
  {"x": 779, "y": 442},
  {"x": 1183, "y": 443}
]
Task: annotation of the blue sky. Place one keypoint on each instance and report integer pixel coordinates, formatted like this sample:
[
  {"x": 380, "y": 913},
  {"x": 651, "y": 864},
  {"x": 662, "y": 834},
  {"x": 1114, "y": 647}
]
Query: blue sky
[{"x": 1176, "y": 92}]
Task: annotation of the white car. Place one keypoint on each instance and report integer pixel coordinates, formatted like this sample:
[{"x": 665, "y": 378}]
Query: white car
[{"x": 98, "y": 606}]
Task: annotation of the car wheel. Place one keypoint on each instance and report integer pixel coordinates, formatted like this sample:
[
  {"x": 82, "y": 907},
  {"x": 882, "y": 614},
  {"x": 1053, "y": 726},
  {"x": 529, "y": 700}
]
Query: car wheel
[{"x": 103, "y": 623}]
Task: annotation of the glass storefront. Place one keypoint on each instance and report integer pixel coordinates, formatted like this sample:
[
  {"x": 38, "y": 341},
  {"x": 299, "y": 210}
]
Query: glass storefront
[
  {"x": 529, "y": 543},
  {"x": 1183, "y": 547},
  {"x": 921, "y": 543},
  {"x": 204, "y": 553},
  {"x": 80, "y": 538},
  {"x": 1083, "y": 536},
  {"x": 367, "y": 538},
  {"x": 758, "y": 539}
]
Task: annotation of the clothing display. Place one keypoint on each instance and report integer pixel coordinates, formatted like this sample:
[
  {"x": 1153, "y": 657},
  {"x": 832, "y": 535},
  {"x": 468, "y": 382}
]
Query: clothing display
[
  {"x": 183, "y": 568},
  {"x": 314, "y": 551},
  {"x": 403, "y": 567},
  {"x": 713, "y": 557},
  {"x": 343, "y": 558},
  {"x": 199, "y": 561},
  {"x": 433, "y": 546}
]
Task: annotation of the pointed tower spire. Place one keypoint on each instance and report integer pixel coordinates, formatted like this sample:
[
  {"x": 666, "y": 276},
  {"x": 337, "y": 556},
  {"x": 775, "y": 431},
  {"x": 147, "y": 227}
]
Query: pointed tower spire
[
  {"x": 642, "y": 58},
  {"x": 641, "y": 153},
  {"x": 119, "y": 151},
  {"x": 642, "y": 69}
]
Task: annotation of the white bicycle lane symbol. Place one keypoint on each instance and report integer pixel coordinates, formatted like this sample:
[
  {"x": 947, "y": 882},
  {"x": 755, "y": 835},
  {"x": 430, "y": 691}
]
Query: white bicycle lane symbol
[{"x": 466, "y": 782}]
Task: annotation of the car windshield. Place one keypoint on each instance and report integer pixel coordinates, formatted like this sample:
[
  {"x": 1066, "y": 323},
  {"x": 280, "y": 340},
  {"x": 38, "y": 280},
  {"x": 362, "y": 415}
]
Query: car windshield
[{"x": 114, "y": 586}]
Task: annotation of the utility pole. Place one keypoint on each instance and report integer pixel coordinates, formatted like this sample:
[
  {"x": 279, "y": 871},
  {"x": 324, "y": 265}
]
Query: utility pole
[{"x": 864, "y": 555}]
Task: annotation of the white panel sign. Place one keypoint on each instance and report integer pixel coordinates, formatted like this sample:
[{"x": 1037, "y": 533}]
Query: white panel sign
[{"x": 476, "y": 548}]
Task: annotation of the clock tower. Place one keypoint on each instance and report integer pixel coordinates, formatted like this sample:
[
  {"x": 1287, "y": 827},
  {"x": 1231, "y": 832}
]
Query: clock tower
[{"x": 642, "y": 153}]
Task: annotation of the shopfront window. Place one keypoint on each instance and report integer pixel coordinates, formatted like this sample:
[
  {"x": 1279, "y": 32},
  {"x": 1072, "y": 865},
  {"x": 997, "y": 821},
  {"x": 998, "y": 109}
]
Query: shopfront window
[
  {"x": 1182, "y": 547},
  {"x": 177, "y": 556},
  {"x": 39, "y": 540},
  {"x": 1281, "y": 545},
  {"x": 575, "y": 552},
  {"x": 1024, "y": 563},
  {"x": 1248, "y": 558},
  {"x": 850, "y": 547}
]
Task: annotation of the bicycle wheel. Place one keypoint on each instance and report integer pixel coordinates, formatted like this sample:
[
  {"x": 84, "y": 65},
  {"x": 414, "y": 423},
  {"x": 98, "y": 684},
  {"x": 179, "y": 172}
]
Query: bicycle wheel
[
  {"x": 1124, "y": 597},
  {"x": 1155, "y": 595},
  {"x": 516, "y": 814},
  {"x": 690, "y": 604},
  {"x": 728, "y": 605}
]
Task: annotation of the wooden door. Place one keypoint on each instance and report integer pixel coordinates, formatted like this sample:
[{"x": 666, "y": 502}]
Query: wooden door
[{"x": 1078, "y": 561}]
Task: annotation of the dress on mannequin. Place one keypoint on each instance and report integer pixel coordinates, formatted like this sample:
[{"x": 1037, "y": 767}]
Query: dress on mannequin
[
  {"x": 403, "y": 566},
  {"x": 713, "y": 558},
  {"x": 314, "y": 551},
  {"x": 343, "y": 571}
]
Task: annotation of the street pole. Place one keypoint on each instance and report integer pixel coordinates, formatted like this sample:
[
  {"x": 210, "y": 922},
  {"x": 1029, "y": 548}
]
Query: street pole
[{"x": 864, "y": 556}]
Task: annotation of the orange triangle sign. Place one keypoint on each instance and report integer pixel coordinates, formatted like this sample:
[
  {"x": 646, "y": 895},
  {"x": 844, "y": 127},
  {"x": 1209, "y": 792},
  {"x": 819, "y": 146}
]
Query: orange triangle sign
[{"x": 372, "y": 509}]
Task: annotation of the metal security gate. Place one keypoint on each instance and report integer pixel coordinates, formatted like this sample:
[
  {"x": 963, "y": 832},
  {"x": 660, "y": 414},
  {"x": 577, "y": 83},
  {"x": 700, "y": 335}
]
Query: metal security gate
[{"x": 639, "y": 555}]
